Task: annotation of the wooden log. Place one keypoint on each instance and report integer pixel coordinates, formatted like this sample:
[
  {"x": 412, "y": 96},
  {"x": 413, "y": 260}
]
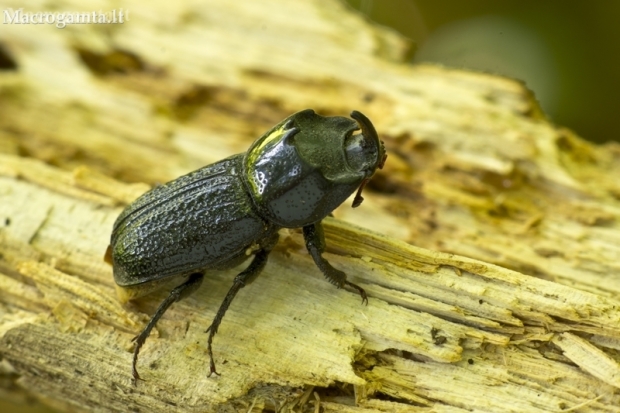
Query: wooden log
[{"x": 488, "y": 245}]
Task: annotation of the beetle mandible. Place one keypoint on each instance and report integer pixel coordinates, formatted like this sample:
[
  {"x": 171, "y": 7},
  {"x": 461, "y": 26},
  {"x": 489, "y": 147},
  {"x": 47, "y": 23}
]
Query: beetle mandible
[{"x": 293, "y": 176}]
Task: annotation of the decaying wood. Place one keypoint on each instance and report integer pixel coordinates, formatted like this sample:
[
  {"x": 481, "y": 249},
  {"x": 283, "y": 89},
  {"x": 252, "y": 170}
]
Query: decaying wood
[{"x": 530, "y": 322}]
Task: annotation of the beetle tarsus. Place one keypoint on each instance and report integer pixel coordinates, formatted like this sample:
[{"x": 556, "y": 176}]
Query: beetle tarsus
[{"x": 135, "y": 375}]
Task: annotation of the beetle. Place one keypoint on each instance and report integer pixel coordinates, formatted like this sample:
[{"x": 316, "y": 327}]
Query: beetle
[{"x": 214, "y": 218}]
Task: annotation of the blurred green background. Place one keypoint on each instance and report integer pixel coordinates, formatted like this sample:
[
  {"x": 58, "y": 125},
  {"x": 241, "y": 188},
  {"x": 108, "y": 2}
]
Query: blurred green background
[{"x": 566, "y": 52}]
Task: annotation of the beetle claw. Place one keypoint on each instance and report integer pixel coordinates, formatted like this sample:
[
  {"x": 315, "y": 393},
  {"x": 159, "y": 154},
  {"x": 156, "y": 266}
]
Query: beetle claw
[
  {"x": 212, "y": 368},
  {"x": 360, "y": 290},
  {"x": 136, "y": 376}
]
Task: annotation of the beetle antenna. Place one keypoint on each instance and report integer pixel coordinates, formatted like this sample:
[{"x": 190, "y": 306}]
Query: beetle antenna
[{"x": 357, "y": 201}]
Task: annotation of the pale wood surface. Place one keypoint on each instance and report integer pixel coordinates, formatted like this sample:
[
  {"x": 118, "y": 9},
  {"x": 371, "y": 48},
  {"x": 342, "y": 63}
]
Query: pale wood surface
[{"x": 474, "y": 169}]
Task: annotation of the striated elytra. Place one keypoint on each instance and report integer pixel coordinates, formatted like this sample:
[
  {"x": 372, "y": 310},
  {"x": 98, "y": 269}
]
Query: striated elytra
[{"x": 293, "y": 176}]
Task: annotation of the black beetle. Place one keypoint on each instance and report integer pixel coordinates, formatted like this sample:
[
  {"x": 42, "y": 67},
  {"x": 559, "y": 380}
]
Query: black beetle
[{"x": 214, "y": 218}]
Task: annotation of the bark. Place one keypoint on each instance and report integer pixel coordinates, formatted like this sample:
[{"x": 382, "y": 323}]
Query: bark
[{"x": 488, "y": 244}]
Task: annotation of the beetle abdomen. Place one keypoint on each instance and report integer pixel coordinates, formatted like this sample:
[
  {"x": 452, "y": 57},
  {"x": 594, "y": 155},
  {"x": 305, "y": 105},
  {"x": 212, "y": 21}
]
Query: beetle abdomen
[{"x": 199, "y": 221}]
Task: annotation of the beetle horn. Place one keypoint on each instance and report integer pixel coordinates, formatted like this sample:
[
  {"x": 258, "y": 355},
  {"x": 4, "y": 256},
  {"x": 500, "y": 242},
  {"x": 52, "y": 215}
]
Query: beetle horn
[
  {"x": 370, "y": 137},
  {"x": 369, "y": 131}
]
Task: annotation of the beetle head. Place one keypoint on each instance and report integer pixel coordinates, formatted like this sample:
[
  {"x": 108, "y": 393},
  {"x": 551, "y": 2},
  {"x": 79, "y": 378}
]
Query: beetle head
[{"x": 307, "y": 165}]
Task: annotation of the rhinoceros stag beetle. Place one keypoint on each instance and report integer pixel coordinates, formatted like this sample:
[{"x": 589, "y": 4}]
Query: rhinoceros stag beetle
[{"x": 215, "y": 217}]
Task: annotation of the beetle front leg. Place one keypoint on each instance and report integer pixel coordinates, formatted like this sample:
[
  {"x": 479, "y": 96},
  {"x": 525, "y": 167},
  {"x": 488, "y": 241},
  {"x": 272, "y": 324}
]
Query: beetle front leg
[{"x": 315, "y": 243}]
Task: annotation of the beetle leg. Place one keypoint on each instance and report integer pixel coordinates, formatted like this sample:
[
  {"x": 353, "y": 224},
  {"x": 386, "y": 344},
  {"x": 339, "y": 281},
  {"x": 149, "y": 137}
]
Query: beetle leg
[
  {"x": 315, "y": 243},
  {"x": 178, "y": 293},
  {"x": 241, "y": 280}
]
